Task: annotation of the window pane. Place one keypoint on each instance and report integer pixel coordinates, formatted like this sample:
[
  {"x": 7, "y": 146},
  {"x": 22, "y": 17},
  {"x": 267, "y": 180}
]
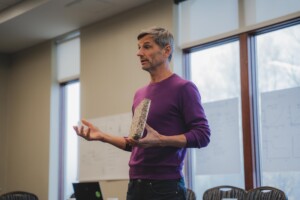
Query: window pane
[
  {"x": 278, "y": 72},
  {"x": 216, "y": 73},
  {"x": 72, "y": 117}
]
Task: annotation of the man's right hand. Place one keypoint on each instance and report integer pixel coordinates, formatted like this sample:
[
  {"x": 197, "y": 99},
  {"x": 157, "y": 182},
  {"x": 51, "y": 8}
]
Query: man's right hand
[{"x": 89, "y": 132}]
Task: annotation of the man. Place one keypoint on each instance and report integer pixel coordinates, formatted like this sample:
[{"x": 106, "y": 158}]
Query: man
[{"x": 176, "y": 121}]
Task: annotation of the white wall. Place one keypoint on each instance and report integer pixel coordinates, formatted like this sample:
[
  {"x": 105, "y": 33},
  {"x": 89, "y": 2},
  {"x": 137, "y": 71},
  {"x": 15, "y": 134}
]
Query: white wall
[
  {"x": 4, "y": 66},
  {"x": 110, "y": 74}
]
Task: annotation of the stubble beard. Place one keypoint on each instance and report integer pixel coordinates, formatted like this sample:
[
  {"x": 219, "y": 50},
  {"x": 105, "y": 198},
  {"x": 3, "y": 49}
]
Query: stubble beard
[{"x": 153, "y": 65}]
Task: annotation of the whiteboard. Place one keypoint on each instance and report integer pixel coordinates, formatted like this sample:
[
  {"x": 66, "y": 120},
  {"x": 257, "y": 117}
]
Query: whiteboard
[
  {"x": 280, "y": 130},
  {"x": 101, "y": 161},
  {"x": 225, "y": 141}
]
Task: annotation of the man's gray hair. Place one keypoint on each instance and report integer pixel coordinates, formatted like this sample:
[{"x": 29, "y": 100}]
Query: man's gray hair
[{"x": 161, "y": 37}]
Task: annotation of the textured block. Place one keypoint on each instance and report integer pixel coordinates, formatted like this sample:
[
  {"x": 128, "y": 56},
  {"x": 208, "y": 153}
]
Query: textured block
[{"x": 139, "y": 119}]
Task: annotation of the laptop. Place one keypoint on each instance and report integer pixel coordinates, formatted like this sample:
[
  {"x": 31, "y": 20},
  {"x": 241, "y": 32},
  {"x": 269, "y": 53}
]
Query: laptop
[{"x": 87, "y": 191}]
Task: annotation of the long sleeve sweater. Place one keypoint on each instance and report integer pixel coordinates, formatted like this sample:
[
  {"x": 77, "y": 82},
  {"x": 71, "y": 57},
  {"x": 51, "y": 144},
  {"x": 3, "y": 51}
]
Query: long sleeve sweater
[{"x": 175, "y": 109}]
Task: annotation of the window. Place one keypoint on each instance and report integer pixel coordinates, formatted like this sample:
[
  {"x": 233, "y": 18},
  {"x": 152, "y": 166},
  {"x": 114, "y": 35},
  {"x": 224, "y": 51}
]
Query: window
[
  {"x": 272, "y": 110},
  {"x": 68, "y": 70},
  {"x": 278, "y": 110},
  {"x": 215, "y": 71},
  {"x": 70, "y": 116}
]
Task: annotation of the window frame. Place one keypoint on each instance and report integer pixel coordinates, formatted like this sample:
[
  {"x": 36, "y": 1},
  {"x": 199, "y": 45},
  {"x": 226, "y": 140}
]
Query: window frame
[
  {"x": 255, "y": 120},
  {"x": 248, "y": 67},
  {"x": 244, "y": 100},
  {"x": 62, "y": 138}
]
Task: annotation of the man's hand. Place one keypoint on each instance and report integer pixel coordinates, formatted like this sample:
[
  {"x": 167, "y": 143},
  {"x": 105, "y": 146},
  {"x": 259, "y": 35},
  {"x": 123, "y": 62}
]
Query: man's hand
[
  {"x": 152, "y": 139},
  {"x": 89, "y": 131}
]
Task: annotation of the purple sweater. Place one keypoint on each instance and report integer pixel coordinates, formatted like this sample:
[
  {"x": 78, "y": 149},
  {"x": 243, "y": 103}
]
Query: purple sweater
[{"x": 175, "y": 109}]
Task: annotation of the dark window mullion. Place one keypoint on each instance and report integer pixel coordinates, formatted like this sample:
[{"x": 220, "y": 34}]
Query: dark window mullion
[
  {"x": 255, "y": 110},
  {"x": 62, "y": 139},
  {"x": 249, "y": 160},
  {"x": 189, "y": 171}
]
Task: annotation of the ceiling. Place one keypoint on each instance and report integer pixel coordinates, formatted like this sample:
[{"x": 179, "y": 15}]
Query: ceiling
[
  {"x": 4, "y": 4},
  {"x": 24, "y": 23}
]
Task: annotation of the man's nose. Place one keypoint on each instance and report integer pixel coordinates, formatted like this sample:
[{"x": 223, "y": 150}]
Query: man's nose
[{"x": 139, "y": 52}]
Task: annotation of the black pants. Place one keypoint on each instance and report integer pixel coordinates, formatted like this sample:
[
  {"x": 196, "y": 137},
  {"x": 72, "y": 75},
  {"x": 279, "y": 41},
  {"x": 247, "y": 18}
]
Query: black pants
[{"x": 140, "y": 189}]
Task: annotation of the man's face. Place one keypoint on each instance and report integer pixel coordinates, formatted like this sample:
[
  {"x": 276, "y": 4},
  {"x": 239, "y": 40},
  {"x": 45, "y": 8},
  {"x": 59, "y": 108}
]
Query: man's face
[{"x": 151, "y": 55}]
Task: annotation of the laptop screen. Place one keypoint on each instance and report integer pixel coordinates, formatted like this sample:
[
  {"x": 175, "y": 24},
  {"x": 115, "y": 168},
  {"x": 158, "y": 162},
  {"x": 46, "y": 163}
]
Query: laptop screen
[{"x": 87, "y": 191}]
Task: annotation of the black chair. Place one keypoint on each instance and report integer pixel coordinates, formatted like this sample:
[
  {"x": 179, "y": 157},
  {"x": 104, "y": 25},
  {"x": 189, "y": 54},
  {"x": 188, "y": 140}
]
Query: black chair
[
  {"x": 266, "y": 193},
  {"x": 224, "y": 191},
  {"x": 190, "y": 194},
  {"x": 18, "y": 195}
]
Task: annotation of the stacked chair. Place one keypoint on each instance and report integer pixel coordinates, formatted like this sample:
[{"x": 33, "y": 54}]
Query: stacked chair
[
  {"x": 266, "y": 193},
  {"x": 190, "y": 194},
  {"x": 225, "y": 191},
  {"x": 18, "y": 195},
  {"x": 231, "y": 192}
]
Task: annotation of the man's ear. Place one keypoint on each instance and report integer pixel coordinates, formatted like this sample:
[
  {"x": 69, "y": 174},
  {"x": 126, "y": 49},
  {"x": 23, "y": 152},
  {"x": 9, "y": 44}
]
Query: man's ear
[{"x": 167, "y": 50}]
